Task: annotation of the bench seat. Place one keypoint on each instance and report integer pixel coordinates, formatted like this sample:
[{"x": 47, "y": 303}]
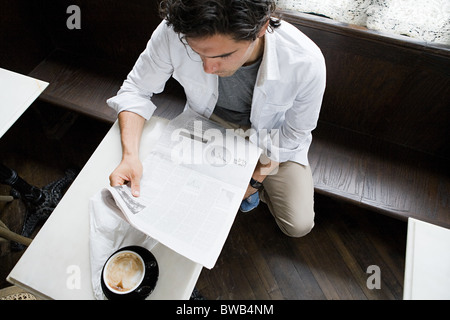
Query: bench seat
[
  {"x": 83, "y": 84},
  {"x": 381, "y": 176}
]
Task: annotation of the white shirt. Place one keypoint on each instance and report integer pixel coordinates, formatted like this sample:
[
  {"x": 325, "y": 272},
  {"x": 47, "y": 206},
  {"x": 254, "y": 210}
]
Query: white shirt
[{"x": 287, "y": 96}]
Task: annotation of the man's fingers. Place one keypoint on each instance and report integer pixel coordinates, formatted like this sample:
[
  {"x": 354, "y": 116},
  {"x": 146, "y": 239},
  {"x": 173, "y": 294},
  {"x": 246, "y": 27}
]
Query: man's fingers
[
  {"x": 115, "y": 181},
  {"x": 135, "y": 188}
]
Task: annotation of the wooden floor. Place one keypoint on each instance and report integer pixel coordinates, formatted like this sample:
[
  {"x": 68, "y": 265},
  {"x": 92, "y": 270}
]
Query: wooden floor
[{"x": 258, "y": 261}]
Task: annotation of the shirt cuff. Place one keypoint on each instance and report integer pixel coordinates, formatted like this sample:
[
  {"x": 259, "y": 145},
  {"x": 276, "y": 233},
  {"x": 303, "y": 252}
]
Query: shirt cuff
[{"x": 130, "y": 102}]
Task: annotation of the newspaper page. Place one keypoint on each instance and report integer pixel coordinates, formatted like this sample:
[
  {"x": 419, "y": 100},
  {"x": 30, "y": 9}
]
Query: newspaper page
[{"x": 192, "y": 185}]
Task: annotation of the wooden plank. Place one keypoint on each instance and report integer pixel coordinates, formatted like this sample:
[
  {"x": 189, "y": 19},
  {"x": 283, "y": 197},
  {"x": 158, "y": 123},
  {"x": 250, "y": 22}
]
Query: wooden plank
[
  {"x": 83, "y": 84},
  {"x": 403, "y": 183},
  {"x": 376, "y": 174},
  {"x": 338, "y": 167},
  {"x": 80, "y": 84}
]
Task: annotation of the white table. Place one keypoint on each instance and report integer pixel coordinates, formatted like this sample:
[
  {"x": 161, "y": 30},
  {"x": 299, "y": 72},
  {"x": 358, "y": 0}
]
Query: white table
[
  {"x": 62, "y": 244},
  {"x": 427, "y": 266},
  {"x": 17, "y": 92}
]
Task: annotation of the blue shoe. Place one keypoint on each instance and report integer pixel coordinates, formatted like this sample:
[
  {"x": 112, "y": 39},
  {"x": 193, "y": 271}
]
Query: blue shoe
[{"x": 250, "y": 203}]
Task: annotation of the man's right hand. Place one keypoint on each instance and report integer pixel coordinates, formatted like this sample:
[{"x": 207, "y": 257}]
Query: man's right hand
[{"x": 129, "y": 170}]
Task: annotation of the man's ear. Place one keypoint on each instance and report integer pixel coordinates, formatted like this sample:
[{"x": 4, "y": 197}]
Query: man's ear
[{"x": 264, "y": 29}]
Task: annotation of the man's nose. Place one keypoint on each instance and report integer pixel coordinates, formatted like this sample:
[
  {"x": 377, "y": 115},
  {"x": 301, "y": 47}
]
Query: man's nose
[{"x": 209, "y": 65}]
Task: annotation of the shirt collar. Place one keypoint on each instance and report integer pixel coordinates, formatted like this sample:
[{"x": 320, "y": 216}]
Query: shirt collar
[{"x": 269, "y": 69}]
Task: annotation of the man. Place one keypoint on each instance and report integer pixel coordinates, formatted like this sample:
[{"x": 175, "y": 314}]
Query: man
[{"x": 243, "y": 68}]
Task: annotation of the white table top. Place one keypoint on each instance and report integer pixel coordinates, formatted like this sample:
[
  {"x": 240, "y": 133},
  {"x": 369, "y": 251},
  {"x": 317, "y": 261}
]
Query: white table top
[
  {"x": 427, "y": 267},
  {"x": 17, "y": 92},
  {"x": 63, "y": 241}
]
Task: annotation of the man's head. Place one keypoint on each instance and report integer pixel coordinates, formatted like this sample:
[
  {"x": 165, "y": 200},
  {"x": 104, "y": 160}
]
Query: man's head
[
  {"x": 240, "y": 19},
  {"x": 226, "y": 34}
]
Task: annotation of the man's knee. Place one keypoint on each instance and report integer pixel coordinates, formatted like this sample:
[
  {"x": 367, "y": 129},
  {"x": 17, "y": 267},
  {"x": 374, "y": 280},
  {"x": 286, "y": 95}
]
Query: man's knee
[
  {"x": 296, "y": 223},
  {"x": 296, "y": 230},
  {"x": 290, "y": 197}
]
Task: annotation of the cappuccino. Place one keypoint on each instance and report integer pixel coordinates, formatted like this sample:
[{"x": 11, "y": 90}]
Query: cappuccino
[{"x": 124, "y": 272}]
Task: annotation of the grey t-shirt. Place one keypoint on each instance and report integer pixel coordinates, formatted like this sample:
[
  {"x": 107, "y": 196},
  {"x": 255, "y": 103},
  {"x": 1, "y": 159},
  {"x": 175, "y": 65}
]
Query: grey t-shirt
[{"x": 236, "y": 93}]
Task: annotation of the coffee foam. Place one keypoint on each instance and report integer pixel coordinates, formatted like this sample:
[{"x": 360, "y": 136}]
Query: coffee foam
[{"x": 124, "y": 272}]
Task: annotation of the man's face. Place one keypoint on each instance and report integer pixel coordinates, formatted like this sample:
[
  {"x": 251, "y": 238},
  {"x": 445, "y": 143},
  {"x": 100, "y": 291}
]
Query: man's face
[{"x": 222, "y": 55}]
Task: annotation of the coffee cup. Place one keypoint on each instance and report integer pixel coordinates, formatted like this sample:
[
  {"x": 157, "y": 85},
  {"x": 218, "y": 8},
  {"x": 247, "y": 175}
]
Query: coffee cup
[
  {"x": 129, "y": 273},
  {"x": 124, "y": 272}
]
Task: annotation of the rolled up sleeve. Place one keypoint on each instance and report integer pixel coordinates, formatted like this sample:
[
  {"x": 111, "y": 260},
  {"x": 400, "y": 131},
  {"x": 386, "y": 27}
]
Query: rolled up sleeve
[{"x": 148, "y": 76}]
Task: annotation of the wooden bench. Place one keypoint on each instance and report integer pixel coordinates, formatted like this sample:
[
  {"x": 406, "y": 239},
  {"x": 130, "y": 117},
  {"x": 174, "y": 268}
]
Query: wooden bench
[{"x": 382, "y": 137}]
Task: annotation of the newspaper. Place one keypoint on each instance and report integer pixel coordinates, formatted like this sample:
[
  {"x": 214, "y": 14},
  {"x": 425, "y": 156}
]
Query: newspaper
[{"x": 192, "y": 185}]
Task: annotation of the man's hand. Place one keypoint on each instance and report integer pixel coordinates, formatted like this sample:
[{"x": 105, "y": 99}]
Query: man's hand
[
  {"x": 264, "y": 167},
  {"x": 129, "y": 170}
]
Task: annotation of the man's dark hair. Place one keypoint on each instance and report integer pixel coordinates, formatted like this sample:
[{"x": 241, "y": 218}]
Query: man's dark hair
[{"x": 241, "y": 19}]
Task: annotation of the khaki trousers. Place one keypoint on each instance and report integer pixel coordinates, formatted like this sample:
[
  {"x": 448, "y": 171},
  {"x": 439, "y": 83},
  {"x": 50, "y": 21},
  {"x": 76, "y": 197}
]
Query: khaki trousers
[{"x": 288, "y": 193}]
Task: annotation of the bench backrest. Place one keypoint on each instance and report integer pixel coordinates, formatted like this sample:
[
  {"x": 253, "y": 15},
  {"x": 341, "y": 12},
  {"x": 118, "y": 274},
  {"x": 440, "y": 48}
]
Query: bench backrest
[{"x": 384, "y": 86}]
